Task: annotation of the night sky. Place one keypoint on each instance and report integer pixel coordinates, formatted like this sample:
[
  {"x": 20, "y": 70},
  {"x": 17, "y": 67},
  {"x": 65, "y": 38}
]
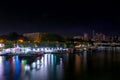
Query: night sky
[{"x": 62, "y": 17}]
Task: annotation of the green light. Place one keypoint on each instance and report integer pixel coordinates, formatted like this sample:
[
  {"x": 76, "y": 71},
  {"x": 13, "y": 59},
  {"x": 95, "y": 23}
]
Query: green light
[{"x": 25, "y": 62}]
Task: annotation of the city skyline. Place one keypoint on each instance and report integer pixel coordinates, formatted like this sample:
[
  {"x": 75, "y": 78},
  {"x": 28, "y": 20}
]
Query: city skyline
[{"x": 38, "y": 36}]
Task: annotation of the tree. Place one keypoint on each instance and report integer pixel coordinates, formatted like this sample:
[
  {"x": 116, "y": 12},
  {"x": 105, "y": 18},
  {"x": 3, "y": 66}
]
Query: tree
[
  {"x": 9, "y": 44},
  {"x": 51, "y": 37},
  {"x": 13, "y": 36}
]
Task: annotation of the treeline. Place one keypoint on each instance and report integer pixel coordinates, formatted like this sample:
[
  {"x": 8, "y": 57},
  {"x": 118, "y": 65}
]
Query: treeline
[{"x": 12, "y": 36}]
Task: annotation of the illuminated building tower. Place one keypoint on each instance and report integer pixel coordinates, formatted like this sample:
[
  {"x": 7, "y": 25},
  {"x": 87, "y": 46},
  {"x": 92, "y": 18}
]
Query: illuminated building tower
[
  {"x": 119, "y": 38},
  {"x": 104, "y": 37},
  {"x": 85, "y": 36},
  {"x": 101, "y": 37},
  {"x": 93, "y": 36},
  {"x": 108, "y": 38}
]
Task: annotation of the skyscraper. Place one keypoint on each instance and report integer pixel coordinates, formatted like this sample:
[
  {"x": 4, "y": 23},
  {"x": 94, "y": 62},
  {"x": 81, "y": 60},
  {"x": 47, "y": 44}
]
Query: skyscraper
[{"x": 85, "y": 36}]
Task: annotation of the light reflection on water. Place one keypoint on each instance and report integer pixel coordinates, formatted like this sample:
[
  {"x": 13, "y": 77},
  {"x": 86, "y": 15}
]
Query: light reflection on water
[
  {"x": 47, "y": 67},
  {"x": 86, "y": 66}
]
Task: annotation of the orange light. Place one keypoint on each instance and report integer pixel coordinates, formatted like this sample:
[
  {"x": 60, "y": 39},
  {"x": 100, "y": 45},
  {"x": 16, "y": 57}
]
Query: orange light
[
  {"x": 20, "y": 40},
  {"x": 1, "y": 40}
]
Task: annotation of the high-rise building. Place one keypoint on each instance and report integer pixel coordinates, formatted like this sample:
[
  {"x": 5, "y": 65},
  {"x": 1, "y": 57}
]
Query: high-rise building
[
  {"x": 98, "y": 37},
  {"x": 119, "y": 38},
  {"x": 85, "y": 36},
  {"x": 94, "y": 36}
]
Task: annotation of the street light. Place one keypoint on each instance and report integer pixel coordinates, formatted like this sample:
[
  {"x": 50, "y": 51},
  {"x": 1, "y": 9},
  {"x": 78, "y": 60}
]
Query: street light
[{"x": 20, "y": 40}]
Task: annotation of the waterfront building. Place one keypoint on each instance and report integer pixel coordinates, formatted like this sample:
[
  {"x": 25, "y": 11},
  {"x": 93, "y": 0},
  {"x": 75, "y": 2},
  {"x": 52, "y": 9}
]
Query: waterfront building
[{"x": 36, "y": 36}]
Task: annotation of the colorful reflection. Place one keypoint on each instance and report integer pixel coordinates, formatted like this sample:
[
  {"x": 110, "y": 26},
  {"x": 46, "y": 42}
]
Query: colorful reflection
[
  {"x": 1, "y": 68},
  {"x": 16, "y": 68},
  {"x": 77, "y": 64},
  {"x": 7, "y": 68}
]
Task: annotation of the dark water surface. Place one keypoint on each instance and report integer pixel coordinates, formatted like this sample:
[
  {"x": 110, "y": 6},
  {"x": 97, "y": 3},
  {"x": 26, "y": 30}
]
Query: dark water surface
[{"x": 100, "y": 65}]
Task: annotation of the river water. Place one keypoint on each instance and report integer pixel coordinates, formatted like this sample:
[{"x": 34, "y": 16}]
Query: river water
[{"x": 98, "y": 65}]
